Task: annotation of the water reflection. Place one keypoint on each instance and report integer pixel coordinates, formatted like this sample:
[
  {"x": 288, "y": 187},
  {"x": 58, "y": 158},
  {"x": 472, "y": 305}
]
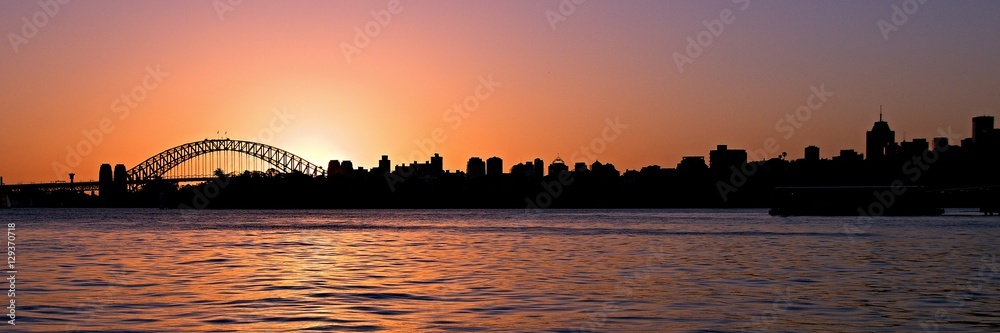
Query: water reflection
[{"x": 502, "y": 271}]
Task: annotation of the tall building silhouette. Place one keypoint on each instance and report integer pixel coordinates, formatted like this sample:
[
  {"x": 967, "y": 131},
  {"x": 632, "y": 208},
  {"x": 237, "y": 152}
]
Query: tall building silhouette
[
  {"x": 812, "y": 153},
  {"x": 539, "y": 167},
  {"x": 880, "y": 141},
  {"x": 494, "y": 166},
  {"x": 437, "y": 164},
  {"x": 384, "y": 164},
  {"x": 985, "y": 140},
  {"x": 558, "y": 166},
  {"x": 476, "y": 167},
  {"x": 981, "y": 127}
]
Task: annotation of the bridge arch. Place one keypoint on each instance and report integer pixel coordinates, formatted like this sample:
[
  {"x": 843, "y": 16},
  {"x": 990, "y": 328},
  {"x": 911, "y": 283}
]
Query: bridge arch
[{"x": 158, "y": 165}]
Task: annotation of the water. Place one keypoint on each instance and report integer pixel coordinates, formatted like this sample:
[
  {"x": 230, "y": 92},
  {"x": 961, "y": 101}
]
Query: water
[{"x": 496, "y": 270}]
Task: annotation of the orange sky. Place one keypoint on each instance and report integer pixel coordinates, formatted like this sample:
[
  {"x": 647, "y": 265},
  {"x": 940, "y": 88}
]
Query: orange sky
[{"x": 556, "y": 89}]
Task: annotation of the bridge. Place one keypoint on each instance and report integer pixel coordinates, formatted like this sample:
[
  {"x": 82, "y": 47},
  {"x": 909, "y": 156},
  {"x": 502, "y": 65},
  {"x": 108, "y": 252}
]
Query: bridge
[{"x": 189, "y": 162}]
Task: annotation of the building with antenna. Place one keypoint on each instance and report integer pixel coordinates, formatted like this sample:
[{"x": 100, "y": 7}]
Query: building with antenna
[
  {"x": 558, "y": 166},
  {"x": 880, "y": 142}
]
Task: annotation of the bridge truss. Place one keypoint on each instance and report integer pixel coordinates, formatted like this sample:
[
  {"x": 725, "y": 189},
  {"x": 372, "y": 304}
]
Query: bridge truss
[{"x": 157, "y": 166}]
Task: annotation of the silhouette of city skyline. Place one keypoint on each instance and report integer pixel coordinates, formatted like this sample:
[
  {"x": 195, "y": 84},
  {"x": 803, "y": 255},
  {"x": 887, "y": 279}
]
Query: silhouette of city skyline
[{"x": 935, "y": 173}]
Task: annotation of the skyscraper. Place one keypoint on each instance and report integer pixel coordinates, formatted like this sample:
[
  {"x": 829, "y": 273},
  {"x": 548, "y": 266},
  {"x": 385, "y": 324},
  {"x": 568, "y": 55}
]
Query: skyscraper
[
  {"x": 981, "y": 127},
  {"x": 494, "y": 166},
  {"x": 437, "y": 164},
  {"x": 558, "y": 166},
  {"x": 384, "y": 164},
  {"x": 880, "y": 141},
  {"x": 476, "y": 167},
  {"x": 812, "y": 153},
  {"x": 539, "y": 167}
]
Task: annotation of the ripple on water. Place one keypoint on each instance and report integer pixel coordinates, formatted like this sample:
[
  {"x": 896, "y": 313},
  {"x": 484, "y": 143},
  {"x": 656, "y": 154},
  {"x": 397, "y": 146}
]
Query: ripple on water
[{"x": 495, "y": 270}]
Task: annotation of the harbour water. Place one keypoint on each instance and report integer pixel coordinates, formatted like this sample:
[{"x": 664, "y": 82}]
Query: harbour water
[{"x": 503, "y": 270}]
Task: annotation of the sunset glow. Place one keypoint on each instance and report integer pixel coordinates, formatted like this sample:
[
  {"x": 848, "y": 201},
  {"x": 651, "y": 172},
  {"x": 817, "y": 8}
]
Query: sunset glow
[{"x": 119, "y": 81}]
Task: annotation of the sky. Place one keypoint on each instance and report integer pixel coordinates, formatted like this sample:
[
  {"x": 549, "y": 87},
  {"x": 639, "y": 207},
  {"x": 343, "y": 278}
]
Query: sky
[{"x": 633, "y": 83}]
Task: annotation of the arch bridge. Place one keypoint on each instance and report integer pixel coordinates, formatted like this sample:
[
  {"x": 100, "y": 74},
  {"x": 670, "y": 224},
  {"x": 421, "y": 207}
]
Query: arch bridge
[
  {"x": 193, "y": 161},
  {"x": 234, "y": 156}
]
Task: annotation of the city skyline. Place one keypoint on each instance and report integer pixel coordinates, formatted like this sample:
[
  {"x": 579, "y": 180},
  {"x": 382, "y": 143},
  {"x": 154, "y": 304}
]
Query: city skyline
[
  {"x": 541, "y": 85},
  {"x": 230, "y": 174},
  {"x": 883, "y": 142},
  {"x": 880, "y": 146},
  {"x": 880, "y": 138}
]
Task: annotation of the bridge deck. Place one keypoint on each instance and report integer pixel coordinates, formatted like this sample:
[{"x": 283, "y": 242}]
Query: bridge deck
[{"x": 88, "y": 186}]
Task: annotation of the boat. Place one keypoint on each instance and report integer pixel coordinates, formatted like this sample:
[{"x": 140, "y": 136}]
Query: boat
[{"x": 854, "y": 201}]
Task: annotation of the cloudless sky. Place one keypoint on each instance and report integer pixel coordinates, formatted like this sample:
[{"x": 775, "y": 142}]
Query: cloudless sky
[{"x": 557, "y": 88}]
